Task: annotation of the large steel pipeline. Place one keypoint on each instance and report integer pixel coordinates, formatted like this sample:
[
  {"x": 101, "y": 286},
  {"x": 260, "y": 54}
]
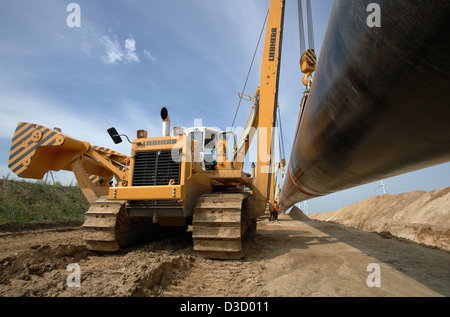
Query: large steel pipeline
[{"x": 380, "y": 102}]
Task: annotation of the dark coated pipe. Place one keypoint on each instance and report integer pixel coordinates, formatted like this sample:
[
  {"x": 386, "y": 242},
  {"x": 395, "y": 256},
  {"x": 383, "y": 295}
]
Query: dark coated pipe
[{"x": 380, "y": 102}]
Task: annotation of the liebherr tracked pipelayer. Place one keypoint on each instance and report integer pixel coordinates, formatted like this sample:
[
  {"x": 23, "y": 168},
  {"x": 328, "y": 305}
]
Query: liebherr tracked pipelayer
[{"x": 193, "y": 176}]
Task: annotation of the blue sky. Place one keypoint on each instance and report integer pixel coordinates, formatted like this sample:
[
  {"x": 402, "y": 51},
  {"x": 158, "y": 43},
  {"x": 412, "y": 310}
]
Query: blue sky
[{"x": 130, "y": 58}]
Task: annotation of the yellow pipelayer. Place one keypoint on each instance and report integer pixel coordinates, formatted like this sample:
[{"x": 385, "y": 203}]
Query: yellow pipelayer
[{"x": 188, "y": 178}]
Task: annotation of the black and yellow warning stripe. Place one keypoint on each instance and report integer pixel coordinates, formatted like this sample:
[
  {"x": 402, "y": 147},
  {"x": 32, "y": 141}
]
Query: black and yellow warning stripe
[
  {"x": 311, "y": 56},
  {"x": 26, "y": 139},
  {"x": 94, "y": 178},
  {"x": 105, "y": 150}
]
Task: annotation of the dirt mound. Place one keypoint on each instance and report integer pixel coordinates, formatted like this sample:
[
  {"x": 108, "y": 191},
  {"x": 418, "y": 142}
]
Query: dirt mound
[
  {"x": 423, "y": 217},
  {"x": 297, "y": 214},
  {"x": 43, "y": 271}
]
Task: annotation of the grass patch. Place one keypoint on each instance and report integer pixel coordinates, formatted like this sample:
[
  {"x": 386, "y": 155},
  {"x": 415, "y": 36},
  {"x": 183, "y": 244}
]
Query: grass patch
[{"x": 23, "y": 203}]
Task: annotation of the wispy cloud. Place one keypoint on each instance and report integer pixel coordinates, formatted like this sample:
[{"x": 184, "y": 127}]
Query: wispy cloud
[
  {"x": 130, "y": 50},
  {"x": 113, "y": 50},
  {"x": 116, "y": 53},
  {"x": 149, "y": 56},
  {"x": 108, "y": 46}
]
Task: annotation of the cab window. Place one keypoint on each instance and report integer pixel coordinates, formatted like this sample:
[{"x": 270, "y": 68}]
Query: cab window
[{"x": 198, "y": 136}]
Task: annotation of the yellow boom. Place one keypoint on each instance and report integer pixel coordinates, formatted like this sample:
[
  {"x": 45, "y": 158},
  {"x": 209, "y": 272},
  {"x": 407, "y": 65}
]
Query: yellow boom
[{"x": 36, "y": 150}]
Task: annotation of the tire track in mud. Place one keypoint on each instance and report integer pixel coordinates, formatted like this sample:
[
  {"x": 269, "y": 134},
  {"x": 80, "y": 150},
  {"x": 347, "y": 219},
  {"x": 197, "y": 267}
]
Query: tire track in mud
[{"x": 210, "y": 278}]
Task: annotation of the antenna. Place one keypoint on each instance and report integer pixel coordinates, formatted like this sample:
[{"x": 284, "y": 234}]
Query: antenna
[
  {"x": 306, "y": 208},
  {"x": 382, "y": 185}
]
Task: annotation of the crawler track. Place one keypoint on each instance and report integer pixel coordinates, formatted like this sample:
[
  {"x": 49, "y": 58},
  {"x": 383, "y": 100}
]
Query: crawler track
[
  {"x": 100, "y": 224},
  {"x": 108, "y": 228},
  {"x": 219, "y": 225}
]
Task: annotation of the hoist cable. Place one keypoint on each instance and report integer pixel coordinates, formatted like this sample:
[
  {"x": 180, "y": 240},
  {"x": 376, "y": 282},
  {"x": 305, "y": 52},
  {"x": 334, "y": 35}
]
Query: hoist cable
[
  {"x": 251, "y": 65},
  {"x": 301, "y": 28},
  {"x": 310, "y": 25},
  {"x": 281, "y": 134}
]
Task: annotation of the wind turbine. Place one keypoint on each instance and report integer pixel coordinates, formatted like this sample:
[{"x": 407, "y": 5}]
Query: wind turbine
[
  {"x": 382, "y": 185},
  {"x": 306, "y": 207}
]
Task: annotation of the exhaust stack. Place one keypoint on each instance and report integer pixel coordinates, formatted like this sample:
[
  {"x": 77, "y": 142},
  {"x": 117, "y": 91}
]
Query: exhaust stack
[{"x": 166, "y": 122}]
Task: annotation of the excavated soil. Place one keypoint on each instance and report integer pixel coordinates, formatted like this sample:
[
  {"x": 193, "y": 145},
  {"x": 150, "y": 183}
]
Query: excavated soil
[
  {"x": 423, "y": 217},
  {"x": 38, "y": 263},
  {"x": 293, "y": 257}
]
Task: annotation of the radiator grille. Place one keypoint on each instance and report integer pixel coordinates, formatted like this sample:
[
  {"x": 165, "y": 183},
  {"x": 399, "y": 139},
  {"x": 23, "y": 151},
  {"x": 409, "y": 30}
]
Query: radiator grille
[{"x": 153, "y": 168}]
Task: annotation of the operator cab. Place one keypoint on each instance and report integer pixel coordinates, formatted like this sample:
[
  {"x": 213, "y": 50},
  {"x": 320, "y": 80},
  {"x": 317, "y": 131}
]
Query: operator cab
[{"x": 207, "y": 138}]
